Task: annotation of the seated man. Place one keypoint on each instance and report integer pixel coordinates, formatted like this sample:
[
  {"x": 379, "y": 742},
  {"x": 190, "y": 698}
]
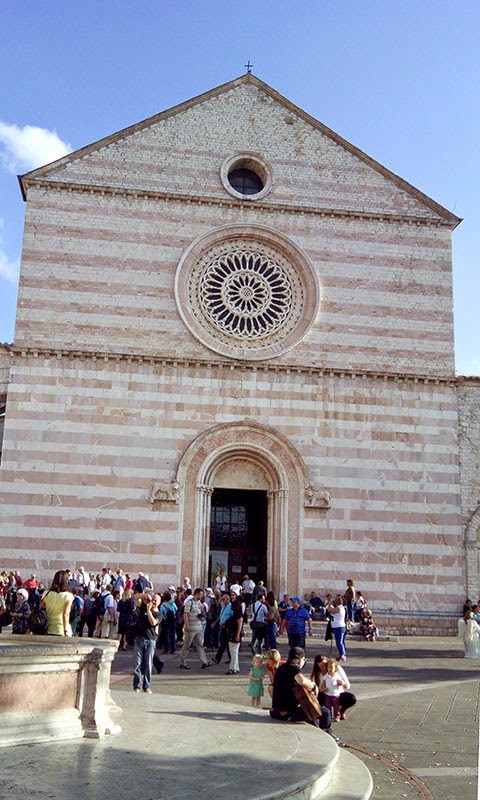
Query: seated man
[
  {"x": 285, "y": 705},
  {"x": 318, "y": 606}
]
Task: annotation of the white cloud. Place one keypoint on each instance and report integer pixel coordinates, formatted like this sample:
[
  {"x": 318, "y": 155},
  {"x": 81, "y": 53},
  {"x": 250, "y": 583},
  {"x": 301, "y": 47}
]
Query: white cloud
[
  {"x": 8, "y": 269},
  {"x": 23, "y": 149}
]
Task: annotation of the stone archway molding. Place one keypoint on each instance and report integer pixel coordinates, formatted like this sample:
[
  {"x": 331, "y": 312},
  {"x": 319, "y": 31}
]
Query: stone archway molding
[
  {"x": 472, "y": 548},
  {"x": 287, "y": 477}
]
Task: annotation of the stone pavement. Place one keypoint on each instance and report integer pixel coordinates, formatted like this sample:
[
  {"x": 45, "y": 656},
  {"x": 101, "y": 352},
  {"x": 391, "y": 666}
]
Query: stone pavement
[
  {"x": 417, "y": 713},
  {"x": 415, "y": 726}
]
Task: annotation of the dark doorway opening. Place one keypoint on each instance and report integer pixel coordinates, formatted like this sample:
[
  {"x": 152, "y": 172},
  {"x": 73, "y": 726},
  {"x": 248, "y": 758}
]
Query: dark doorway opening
[{"x": 238, "y": 529}]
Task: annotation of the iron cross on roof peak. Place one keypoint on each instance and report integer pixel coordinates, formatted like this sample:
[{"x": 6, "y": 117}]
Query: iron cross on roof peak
[{"x": 248, "y": 66}]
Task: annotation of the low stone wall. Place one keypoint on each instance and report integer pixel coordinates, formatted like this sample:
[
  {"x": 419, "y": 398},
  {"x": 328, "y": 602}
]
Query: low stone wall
[
  {"x": 55, "y": 688},
  {"x": 404, "y": 624}
]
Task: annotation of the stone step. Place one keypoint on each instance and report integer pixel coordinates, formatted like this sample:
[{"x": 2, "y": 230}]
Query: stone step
[
  {"x": 186, "y": 747},
  {"x": 350, "y": 779}
]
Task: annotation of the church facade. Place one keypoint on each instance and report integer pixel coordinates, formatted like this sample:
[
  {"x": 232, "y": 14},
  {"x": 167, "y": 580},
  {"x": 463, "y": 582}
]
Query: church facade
[{"x": 234, "y": 344}]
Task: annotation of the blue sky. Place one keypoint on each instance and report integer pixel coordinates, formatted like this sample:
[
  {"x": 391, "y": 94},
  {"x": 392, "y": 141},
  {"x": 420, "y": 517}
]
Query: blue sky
[{"x": 398, "y": 79}]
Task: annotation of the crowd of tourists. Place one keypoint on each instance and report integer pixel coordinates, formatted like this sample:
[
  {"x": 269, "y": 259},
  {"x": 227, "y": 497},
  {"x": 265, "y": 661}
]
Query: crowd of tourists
[
  {"x": 194, "y": 622},
  {"x": 102, "y": 605}
]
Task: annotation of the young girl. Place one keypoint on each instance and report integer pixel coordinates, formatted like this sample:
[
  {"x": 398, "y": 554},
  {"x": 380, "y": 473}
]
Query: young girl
[
  {"x": 256, "y": 675},
  {"x": 332, "y": 685}
]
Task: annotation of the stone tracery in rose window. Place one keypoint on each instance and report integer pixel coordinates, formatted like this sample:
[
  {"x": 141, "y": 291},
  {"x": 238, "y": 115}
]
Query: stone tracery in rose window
[{"x": 246, "y": 292}]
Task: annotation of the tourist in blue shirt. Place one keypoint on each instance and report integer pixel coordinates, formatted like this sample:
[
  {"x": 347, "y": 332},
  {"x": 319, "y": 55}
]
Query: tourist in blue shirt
[
  {"x": 297, "y": 618},
  {"x": 225, "y": 614}
]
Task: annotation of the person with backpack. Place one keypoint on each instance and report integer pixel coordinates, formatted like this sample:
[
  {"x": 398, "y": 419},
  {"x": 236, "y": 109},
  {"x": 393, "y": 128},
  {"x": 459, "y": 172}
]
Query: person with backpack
[
  {"x": 126, "y": 616},
  {"x": 194, "y": 617},
  {"x": 104, "y": 608},
  {"x": 212, "y": 629},
  {"x": 168, "y": 610},
  {"x": 76, "y": 611}
]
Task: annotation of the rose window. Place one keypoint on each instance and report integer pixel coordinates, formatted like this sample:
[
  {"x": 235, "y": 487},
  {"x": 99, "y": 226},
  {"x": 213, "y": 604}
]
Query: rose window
[{"x": 246, "y": 294}]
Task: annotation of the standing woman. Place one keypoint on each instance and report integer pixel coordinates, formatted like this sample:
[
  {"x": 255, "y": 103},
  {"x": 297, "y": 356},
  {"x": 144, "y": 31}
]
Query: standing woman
[
  {"x": 168, "y": 610},
  {"x": 126, "y": 616},
  {"x": 272, "y": 621},
  {"x": 349, "y": 600},
  {"x": 339, "y": 628},
  {"x": 212, "y": 630},
  {"x": 235, "y": 629},
  {"x": 471, "y": 640},
  {"x": 58, "y": 602}
]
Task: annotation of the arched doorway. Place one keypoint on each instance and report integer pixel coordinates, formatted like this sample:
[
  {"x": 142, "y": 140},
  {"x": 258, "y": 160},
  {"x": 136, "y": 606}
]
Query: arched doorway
[
  {"x": 238, "y": 534},
  {"x": 245, "y": 457}
]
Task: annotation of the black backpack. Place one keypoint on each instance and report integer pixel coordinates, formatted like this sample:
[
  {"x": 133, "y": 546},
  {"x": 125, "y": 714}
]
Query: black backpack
[
  {"x": 74, "y": 610},
  {"x": 99, "y": 606},
  {"x": 133, "y": 629}
]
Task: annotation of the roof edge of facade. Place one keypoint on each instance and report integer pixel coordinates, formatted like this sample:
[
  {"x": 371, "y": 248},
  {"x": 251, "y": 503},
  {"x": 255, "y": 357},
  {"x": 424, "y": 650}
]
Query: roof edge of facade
[
  {"x": 420, "y": 196},
  {"x": 54, "y": 166}
]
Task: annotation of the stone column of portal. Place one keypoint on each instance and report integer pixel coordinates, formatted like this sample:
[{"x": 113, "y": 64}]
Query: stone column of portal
[
  {"x": 272, "y": 540},
  {"x": 282, "y": 505},
  {"x": 277, "y": 561},
  {"x": 202, "y": 534}
]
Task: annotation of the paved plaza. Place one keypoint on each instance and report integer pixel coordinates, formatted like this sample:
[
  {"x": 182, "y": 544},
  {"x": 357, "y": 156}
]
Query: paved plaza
[{"x": 415, "y": 726}]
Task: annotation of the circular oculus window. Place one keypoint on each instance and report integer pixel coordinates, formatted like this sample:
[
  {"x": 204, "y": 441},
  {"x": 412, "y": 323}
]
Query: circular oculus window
[
  {"x": 246, "y": 176},
  {"x": 246, "y": 292}
]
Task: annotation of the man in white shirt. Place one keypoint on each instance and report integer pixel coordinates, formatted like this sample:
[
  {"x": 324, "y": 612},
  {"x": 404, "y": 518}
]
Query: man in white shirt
[
  {"x": 194, "y": 618},
  {"x": 120, "y": 581},
  {"x": 102, "y": 627},
  {"x": 106, "y": 577},
  {"x": 258, "y": 625}
]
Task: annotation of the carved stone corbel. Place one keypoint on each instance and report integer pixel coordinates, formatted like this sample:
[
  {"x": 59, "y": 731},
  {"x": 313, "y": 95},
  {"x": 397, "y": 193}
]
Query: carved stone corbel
[
  {"x": 161, "y": 492},
  {"x": 316, "y": 498}
]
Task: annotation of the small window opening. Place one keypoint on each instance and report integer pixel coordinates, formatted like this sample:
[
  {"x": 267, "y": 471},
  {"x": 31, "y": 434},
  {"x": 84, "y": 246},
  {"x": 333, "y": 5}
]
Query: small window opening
[{"x": 245, "y": 181}]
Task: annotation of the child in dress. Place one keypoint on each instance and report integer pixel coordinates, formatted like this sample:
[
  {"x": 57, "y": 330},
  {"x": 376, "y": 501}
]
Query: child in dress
[
  {"x": 332, "y": 685},
  {"x": 256, "y": 676}
]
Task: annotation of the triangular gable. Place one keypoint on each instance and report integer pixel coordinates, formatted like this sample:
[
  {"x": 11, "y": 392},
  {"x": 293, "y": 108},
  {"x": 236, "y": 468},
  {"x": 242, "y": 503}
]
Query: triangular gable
[{"x": 51, "y": 171}]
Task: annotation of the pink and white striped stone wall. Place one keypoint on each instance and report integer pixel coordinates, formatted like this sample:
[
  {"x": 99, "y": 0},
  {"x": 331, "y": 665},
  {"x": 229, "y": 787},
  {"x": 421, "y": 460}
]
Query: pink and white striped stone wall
[
  {"x": 76, "y": 476},
  {"x": 109, "y": 387}
]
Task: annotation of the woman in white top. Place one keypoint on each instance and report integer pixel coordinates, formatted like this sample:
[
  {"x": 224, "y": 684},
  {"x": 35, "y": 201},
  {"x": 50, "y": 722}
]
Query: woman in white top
[
  {"x": 359, "y": 606},
  {"x": 469, "y": 631},
  {"x": 339, "y": 628}
]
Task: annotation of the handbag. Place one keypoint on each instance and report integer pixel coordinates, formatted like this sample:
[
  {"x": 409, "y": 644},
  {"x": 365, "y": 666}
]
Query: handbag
[
  {"x": 328, "y": 631},
  {"x": 37, "y": 621},
  {"x": 5, "y": 619},
  {"x": 253, "y": 622}
]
